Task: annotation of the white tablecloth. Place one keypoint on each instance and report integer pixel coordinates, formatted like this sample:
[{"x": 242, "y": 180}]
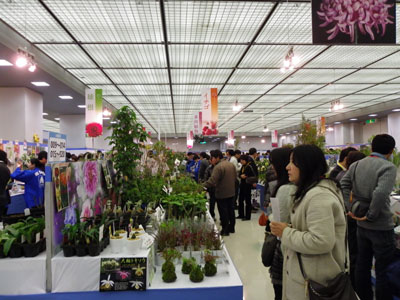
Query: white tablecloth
[{"x": 22, "y": 276}]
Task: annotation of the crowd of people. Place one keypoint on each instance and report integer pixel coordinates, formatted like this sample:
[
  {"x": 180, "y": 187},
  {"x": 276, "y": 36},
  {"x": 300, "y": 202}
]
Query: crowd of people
[{"x": 325, "y": 217}]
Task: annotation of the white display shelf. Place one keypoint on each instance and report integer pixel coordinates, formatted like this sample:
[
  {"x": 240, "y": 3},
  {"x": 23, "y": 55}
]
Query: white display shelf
[{"x": 23, "y": 276}]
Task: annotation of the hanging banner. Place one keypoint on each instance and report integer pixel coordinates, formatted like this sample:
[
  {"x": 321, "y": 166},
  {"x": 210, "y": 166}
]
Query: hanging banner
[
  {"x": 274, "y": 138},
  {"x": 352, "y": 22},
  {"x": 209, "y": 109},
  {"x": 189, "y": 139},
  {"x": 231, "y": 138},
  {"x": 94, "y": 112},
  {"x": 197, "y": 124},
  {"x": 321, "y": 126}
]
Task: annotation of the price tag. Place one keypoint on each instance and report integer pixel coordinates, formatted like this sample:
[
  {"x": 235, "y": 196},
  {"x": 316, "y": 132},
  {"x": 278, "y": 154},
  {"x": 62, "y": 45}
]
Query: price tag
[
  {"x": 27, "y": 212},
  {"x": 37, "y": 237},
  {"x": 101, "y": 230}
]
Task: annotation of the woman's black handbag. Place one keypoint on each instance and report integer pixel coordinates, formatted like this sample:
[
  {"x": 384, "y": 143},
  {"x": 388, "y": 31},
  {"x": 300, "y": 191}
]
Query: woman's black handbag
[
  {"x": 339, "y": 288},
  {"x": 268, "y": 249},
  {"x": 252, "y": 179}
]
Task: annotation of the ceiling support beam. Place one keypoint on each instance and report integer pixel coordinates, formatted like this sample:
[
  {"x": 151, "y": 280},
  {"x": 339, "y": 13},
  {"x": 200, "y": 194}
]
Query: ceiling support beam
[
  {"x": 91, "y": 58},
  {"x": 259, "y": 30},
  {"x": 164, "y": 27}
]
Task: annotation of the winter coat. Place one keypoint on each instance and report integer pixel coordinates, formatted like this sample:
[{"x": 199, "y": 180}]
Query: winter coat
[
  {"x": 223, "y": 178},
  {"x": 318, "y": 233},
  {"x": 34, "y": 185},
  {"x": 4, "y": 178}
]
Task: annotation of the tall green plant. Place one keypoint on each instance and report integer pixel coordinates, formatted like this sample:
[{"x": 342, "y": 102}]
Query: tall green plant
[
  {"x": 308, "y": 134},
  {"x": 126, "y": 141}
]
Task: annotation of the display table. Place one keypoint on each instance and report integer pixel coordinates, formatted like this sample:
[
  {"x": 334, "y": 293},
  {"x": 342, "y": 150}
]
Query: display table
[{"x": 22, "y": 276}]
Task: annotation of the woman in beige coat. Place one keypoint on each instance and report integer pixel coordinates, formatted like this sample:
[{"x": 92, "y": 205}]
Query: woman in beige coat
[{"x": 318, "y": 226}]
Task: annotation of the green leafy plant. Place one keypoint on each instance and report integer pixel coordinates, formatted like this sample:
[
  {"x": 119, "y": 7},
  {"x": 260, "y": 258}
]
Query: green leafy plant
[
  {"x": 197, "y": 275},
  {"x": 308, "y": 134},
  {"x": 126, "y": 141},
  {"x": 188, "y": 264},
  {"x": 12, "y": 234},
  {"x": 168, "y": 271},
  {"x": 210, "y": 268}
]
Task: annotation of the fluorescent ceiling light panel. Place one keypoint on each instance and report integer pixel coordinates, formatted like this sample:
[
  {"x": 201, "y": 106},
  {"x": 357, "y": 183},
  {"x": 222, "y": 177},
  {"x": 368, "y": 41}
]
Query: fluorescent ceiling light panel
[
  {"x": 44, "y": 114},
  {"x": 40, "y": 83},
  {"x": 373, "y": 115},
  {"x": 353, "y": 119},
  {"x": 57, "y": 119},
  {"x": 82, "y": 106},
  {"x": 69, "y": 56},
  {"x": 65, "y": 97},
  {"x": 396, "y": 110},
  {"x": 5, "y": 63}
]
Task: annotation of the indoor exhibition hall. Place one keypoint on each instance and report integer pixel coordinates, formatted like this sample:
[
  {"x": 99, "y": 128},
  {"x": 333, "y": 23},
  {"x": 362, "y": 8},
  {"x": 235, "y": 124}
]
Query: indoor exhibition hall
[{"x": 199, "y": 149}]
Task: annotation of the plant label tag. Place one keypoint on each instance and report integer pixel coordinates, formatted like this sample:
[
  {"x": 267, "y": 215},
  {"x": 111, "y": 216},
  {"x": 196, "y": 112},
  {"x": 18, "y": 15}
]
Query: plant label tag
[
  {"x": 37, "y": 237},
  {"x": 27, "y": 212},
  {"x": 23, "y": 239},
  {"x": 101, "y": 230}
]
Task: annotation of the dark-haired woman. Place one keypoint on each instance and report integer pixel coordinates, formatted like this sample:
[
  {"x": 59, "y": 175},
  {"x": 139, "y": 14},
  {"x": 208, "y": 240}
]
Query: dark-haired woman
[
  {"x": 283, "y": 191},
  {"x": 34, "y": 183},
  {"x": 244, "y": 189},
  {"x": 318, "y": 225}
]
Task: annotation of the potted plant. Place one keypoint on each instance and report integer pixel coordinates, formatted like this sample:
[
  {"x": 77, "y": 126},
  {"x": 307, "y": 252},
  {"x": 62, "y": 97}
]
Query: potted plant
[
  {"x": 134, "y": 243},
  {"x": 169, "y": 275},
  {"x": 31, "y": 247},
  {"x": 12, "y": 245},
  {"x": 92, "y": 241},
  {"x": 126, "y": 141},
  {"x": 210, "y": 268},
  {"x": 69, "y": 232},
  {"x": 188, "y": 264},
  {"x": 80, "y": 246},
  {"x": 196, "y": 275}
]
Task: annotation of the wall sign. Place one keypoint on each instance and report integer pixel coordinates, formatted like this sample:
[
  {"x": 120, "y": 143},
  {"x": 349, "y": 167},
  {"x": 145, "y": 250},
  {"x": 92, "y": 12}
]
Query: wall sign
[
  {"x": 57, "y": 146},
  {"x": 123, "y": 274}
]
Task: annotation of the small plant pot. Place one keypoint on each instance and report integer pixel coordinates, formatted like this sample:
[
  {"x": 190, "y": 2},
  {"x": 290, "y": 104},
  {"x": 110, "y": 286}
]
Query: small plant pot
[
  {"x": 15, "y": 251},
  {"x": 68, "y": 250},
  {"x": 81, "y": 250},
  {"x": 94, "y": 249},
  {"x": 31, "y": 250},
  {"x": 134, "y": 246},
  {"x": 117, "y": 244}
]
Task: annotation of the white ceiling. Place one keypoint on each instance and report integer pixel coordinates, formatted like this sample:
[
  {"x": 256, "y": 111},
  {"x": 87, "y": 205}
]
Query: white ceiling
[{"x": 235, "y": 46}]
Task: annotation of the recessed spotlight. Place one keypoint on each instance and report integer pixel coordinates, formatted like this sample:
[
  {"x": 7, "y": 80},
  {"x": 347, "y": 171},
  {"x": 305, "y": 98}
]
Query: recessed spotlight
[
  {"x": 396, "y": 109},
  {"x": 353, "y": 119},
  {"x": 66, "y": 97},
  {"x": 5, "y": 63},
  {"x": 57, "y": 119},
  {"x": 287, "y": 133},
  {"x": 21, "y": 61},
  {"x": 372, "y": 115},
  {"x": 263, "y": 141},
  {"x": 113, "y": 122},
  {"x": 330, "y": 129},
  {"x": 243, "y": 136},
  {"x": 106, "y": 118},
  {"x": 82, "y": 106},
  {"x": 337, "y": 122},
  {"x": 40, "y": 83},
  {"x": 44, "y": 114}
]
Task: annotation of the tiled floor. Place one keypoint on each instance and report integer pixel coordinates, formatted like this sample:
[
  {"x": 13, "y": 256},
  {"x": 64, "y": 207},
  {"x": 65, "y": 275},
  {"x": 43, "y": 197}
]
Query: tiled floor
[{"x": 244, "y": 247}]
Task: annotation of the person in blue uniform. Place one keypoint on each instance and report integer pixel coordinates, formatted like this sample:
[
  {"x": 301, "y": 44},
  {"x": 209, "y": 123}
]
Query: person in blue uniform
[{"x": 34, "y": 180}]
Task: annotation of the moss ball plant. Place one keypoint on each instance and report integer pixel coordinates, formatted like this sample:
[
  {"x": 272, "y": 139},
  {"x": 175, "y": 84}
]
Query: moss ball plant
[
  {"x": 169, "y": 274},
  {"x": 197, "y": 274},
  {"x": 167, "y": 265},
  {"x": 188, "y": 264},
  {"x": 210, "y": 269}
]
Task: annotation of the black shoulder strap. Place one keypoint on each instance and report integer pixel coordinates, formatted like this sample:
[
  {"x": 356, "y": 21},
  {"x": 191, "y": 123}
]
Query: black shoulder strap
[{"x": 301, "y": 266}]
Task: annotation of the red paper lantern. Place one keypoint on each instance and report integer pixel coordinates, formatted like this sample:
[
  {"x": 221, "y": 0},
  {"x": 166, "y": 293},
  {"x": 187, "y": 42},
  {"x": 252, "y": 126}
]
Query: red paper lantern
[{"x": 94, "y": 129}]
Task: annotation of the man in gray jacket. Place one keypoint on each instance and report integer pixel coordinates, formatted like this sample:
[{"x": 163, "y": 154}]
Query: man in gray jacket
[
  {"x": 371, "y": 180},
  {"x": 223, "y": 179}
]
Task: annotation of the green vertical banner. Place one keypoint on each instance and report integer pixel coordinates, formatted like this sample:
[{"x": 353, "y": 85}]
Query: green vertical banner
[{"x": 94, "y": 112}]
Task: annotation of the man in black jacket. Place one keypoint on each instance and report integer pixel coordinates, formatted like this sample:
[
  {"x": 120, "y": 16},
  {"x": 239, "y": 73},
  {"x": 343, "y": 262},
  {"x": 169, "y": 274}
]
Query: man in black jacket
[
  {"x": 4, "y": 178},
  {"x": 342, "y": 164}
]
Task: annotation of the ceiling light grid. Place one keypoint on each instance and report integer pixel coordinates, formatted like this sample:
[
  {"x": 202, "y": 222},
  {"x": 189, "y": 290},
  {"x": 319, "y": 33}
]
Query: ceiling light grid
[
  {"x": 128, "y": 56},
  {"x": 143, "y": 90},
  {"x": 111, "y": 20},
  {"x": 157, "y": 104},
  {"x": 258, "y": 89},
  {"x": 32, "y": 21},
  {"x": 350, "y": 56},
  {"x": 382, "y": 89},
  {"x": 90, "y": 76},
  {"x": 317, "y": 75},
  {"x": 68, "y": 56},
  {"x": 295, "y": 88},
  {"x": 214, "y": 21},
  {"x": 260, "y": 56},
  {"x": 187, "y": 102},
  {"x": 200, "y": 76},
  {"x": 299, "y": 24},
  {"x": 257, "y": 76},
  {"x": 115, "y": 100},
  {"x": 191, "y": 90},
  {"x": 371, "y": 76},
  {"x": 205, "y": 56},
  {"x": 337, "y": 88},
  {"x": 138, "y": 76}
]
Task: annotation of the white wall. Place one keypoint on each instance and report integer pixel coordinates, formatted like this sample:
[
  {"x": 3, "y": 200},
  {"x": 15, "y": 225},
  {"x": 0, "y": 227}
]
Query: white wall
[
  {"x": 74, "y": 127},
  {"x": 394, "y": 127},
  {"x": 20, "y": 114},
  {"x": 381, "y": 126}
]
